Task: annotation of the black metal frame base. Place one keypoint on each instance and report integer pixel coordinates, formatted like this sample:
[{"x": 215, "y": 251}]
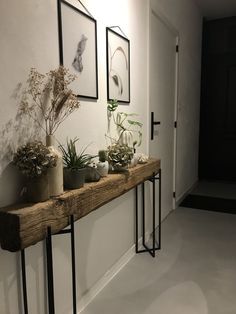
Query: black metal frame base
[
  {"x": 49, "y": 252},
  {"x": 154, "y": 248},
  {"x": 50, "y": 281}
]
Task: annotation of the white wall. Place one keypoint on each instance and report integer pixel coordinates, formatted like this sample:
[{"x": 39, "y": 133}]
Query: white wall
[
  {"x": 28, "y": 37},
  {"x": 185, "y": 16}
]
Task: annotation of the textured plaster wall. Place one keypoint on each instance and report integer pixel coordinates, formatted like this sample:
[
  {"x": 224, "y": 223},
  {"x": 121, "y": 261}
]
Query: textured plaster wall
[{"x": 28, "y": 37}]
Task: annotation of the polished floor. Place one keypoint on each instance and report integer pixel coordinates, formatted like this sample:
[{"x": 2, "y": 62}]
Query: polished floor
[{"x": 194, "y": 273}]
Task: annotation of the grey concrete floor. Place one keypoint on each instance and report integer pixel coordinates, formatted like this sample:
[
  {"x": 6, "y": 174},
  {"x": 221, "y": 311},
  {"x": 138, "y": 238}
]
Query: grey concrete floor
[{"x": 194, "y": 273}]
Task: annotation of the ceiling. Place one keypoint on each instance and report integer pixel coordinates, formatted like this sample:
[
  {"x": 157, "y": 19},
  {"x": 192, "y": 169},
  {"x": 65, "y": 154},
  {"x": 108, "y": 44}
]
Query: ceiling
[{"x": 213, "y": 9}]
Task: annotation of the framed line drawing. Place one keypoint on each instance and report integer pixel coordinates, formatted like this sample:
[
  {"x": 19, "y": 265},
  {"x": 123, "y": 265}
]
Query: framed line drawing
[
  {"x": 118, "y": 66},
  {"x": 78, "y": 48}
]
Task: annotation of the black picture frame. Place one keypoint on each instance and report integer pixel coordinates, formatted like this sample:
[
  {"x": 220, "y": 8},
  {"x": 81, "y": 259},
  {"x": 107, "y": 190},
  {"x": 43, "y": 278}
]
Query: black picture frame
[
  {"x": 118, "y": 66},
  {"x": 77, "y": 34}
]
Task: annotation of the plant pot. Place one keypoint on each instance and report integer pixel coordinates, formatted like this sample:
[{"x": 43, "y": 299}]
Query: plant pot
[
  {"x": 74, "y": 179},
  {"x": 38, "y": 189},
  {"x": 103, "y": 168},
  {"x": 118, "y": 168},
  {"x": 92, "y": 175}
]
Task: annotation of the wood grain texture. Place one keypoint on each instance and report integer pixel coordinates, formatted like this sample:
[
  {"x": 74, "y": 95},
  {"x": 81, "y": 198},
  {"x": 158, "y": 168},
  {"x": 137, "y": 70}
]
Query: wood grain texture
[{"x": 26, "y": 224}]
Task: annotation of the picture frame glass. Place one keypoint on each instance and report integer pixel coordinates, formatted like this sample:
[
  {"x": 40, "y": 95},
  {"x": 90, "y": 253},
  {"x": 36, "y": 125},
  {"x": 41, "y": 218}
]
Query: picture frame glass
[
  {"x": 78, "y": 45},
  {"x": 118, "y": 67}
]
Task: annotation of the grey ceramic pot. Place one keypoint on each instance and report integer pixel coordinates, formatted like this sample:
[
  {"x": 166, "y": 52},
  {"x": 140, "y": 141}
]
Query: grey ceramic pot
[
  {"x": 92, "y": 175},
  {"x": 74, "y": 179}
]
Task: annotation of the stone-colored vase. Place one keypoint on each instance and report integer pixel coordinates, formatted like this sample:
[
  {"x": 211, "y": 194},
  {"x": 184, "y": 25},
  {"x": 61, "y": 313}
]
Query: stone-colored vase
[{"x": 55, "y": 174}]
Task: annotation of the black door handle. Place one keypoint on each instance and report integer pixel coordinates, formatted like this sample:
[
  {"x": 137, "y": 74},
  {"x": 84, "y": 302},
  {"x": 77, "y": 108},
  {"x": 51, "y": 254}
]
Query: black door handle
[{"x": 153, "y": 123}]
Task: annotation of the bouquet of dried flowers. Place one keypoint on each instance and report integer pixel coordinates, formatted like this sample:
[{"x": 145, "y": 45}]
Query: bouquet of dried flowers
[
  {"x": 34, "y": 158},
  {"x": 47, "y": 98}
]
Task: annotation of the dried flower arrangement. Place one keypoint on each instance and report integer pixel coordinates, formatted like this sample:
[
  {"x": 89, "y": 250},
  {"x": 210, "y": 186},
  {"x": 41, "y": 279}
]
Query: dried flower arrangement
[
  {"x": 34, "y": 159},
  {"x": 119, "y": 155},
  {"x": 47, "y": 98}
]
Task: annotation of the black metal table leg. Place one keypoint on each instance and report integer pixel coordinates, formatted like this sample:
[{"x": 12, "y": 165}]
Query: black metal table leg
[
  {"x": 51, "y": 306},
  {"x": 153, "y": 216},
  {"x": 25, "y": 300},
  {"x": 136, "y": 219},
  {"x": 73, "y": 265},
  {"x": 159, "y": 234},
  {"x": 143, "y": 213},
  {"x": 152, "y": 250}
]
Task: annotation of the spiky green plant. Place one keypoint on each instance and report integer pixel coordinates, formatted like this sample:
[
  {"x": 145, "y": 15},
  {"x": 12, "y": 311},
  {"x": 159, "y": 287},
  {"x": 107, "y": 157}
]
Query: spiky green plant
[{"x": 72, "y": 160}]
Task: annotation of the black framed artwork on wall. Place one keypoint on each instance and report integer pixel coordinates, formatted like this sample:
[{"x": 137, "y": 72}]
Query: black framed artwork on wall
[
  {"x": 78, "y": 48},
  {"x": 118, "y": 66}
]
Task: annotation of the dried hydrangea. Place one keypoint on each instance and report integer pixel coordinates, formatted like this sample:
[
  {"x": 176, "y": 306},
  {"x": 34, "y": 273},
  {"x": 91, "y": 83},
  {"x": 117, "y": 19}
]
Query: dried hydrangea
[
  {"x": 47, "y": 98},
  {"x": 34, "y": 159},
  {"x": 119, "y": 156}
]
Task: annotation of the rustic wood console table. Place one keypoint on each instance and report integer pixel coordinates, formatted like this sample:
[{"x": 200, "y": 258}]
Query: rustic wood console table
[{"x": 24, "y": 225}]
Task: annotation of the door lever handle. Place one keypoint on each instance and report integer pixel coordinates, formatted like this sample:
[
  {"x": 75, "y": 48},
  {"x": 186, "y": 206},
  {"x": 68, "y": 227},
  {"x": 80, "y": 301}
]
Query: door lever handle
[{"x": 153, "y": 123}]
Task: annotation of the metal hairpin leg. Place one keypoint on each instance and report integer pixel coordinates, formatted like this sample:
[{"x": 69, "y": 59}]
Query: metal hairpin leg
[
  {"x": 153, "y": 249},
  {"x": 51, "y": 306},
  {"x": 24, "y": 286}
]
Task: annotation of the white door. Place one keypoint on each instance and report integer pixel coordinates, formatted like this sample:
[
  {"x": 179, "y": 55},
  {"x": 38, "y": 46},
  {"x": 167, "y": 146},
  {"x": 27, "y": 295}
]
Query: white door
[{"x": 163, "y": 99}]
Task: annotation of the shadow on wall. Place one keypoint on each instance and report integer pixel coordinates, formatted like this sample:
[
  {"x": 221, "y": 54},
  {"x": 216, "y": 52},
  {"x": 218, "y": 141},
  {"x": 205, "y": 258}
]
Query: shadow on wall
[{"x": 15, "y": 132}]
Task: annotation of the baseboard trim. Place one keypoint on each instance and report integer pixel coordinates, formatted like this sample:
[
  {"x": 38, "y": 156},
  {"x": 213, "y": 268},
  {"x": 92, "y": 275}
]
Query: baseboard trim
[
  {"x": 108, "y": 276},
  {"x": 183, "y": 195}
]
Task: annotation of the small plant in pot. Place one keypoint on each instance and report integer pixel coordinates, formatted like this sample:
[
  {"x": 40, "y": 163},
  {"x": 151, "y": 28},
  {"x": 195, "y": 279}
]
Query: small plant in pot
[
  {"x": 102, "y": 165},
  {"x": 119, "y": 156},
  {"x": 34, "y": 160},
  {"x": 75, "y": 165}
]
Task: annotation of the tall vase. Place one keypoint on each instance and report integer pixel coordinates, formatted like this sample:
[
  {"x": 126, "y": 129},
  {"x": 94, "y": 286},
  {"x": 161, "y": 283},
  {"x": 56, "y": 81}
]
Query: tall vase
[{"x": 55, "y": 174}]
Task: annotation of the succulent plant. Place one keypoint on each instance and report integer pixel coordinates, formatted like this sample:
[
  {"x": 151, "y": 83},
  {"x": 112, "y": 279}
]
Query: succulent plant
[
  {"x": 119, "y": 156},
  {"x": 34, "y": 159}
]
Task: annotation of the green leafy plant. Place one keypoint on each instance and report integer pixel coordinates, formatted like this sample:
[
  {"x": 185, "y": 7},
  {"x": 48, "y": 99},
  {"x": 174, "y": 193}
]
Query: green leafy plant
[
  {"x": 72, "y": 160},
  {"x": 129, "y": 130},
  {"x": 34, "y": 159}
]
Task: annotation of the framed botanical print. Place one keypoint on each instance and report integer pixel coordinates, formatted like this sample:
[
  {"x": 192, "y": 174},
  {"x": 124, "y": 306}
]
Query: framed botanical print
[{"x": 78, "y": 48}]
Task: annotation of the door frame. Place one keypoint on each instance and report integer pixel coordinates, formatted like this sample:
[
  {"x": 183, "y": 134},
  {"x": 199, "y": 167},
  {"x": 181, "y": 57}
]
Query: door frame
[{"x": 158, "y": 14}]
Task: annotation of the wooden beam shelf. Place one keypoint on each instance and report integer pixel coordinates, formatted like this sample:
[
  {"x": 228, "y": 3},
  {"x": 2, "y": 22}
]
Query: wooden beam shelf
[{"x": 23, "y": 225}]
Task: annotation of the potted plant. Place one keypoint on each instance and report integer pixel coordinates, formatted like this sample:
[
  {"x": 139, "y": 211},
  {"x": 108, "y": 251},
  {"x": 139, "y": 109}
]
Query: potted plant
[
  {"x": 129, "y": 131},
  {"x": 48, "y": 100},
  {"x": 34, "y": 160},
  {"x": 102, "y": 165},
  {"x": 75, "y": 165},
  {"x": 119, "y": 156}
]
